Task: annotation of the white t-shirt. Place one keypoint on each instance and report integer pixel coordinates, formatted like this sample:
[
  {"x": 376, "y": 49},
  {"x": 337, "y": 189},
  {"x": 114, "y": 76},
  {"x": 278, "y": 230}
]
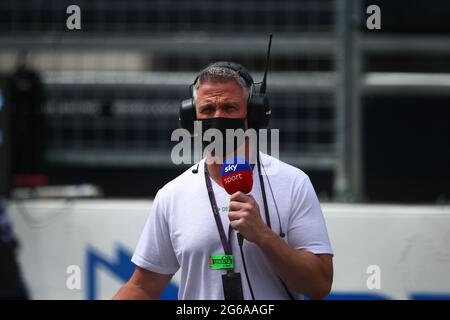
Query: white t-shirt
[{"x": 181, "y": 232}]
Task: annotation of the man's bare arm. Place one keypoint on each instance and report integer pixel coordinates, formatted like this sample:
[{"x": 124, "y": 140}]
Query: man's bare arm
[
  {"x": 302, "y": 271},
  {"x": 143, "y": 285}
]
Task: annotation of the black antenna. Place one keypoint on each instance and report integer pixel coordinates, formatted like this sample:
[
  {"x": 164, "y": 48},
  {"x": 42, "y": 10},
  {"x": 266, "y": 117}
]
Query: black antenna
[{"x": 263, "y": 83}]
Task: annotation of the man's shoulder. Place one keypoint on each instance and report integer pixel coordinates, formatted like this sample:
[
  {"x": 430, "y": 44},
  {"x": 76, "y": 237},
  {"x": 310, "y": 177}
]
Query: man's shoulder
[
  {"x": 184, "y": 182},
  {"x": 282, "y": 170}
]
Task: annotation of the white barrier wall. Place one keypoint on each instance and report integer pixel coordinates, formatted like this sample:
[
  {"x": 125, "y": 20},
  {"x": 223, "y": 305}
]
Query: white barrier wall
[{"x": 381, "y": 251}]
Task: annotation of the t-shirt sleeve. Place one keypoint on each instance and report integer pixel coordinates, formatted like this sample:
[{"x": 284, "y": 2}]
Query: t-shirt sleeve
[
  {"x": 307, "y": 229},
  {"x": 154, "y": 251}
]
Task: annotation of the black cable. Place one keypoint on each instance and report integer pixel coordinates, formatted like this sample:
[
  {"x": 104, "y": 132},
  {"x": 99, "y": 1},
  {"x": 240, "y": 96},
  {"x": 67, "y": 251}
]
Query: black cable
[
  {"x": 282, "y": 234},
  {"x": 241, "y": 243},
  {"x": 263, "y": 189},
  {"x": 266, "y": 207},
  {"x": 267, "y": 211}
]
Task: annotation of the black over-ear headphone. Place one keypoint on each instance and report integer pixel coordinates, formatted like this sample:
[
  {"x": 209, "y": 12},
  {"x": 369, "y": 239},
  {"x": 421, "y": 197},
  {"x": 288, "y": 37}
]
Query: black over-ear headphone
[{"x": 258, "y": 109}]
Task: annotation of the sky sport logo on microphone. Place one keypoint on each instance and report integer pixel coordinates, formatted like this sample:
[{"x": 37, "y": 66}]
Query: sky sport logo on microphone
[
  {"x": 230, "y": 167},
  {"x": 191, "y": 148},
  {"x": 237, "y": 175}
]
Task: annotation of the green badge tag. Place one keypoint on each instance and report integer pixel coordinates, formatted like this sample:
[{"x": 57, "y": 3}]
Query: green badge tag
[{"x": 221, "y": 262}]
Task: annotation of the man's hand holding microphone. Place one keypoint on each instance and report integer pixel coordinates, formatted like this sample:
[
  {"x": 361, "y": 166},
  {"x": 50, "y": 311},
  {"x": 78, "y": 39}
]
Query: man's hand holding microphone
[{"x": 244, "y": 213}]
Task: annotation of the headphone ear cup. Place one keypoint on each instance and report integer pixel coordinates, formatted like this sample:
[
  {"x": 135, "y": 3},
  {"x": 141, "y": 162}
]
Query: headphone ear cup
[
  {"x": 258, "y": 111},
  {"x": 187, "y": 115}
]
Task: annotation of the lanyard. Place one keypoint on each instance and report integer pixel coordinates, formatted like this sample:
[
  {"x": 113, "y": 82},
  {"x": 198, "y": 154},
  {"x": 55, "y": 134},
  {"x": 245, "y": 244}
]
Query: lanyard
[{"x": 212, "y": 199}]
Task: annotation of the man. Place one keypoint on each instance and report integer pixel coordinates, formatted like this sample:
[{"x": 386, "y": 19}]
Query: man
[{"x": 181, "y": 231}]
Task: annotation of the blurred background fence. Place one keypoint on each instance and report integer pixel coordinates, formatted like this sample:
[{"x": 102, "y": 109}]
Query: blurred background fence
[
  {"x": 89, "y": 113},
  {"x": 363, "y": 112}
]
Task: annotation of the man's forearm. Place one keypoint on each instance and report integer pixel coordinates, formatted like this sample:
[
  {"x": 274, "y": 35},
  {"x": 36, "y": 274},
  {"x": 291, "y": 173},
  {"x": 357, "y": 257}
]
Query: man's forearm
[
  {"x": 130, "y": 291},
  {"x": 302, "y": 271}
]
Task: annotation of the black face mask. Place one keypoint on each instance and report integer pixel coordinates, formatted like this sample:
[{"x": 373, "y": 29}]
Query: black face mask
[{"x": 222, "y": 124}]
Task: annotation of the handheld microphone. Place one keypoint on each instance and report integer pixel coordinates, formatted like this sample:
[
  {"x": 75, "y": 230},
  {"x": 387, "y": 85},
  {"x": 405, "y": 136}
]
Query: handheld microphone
[{"x": 237, "y": 175}]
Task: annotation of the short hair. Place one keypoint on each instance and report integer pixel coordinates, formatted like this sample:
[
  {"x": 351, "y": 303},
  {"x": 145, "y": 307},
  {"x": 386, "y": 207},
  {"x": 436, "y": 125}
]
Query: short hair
[{"x": 219, "y": 74}]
